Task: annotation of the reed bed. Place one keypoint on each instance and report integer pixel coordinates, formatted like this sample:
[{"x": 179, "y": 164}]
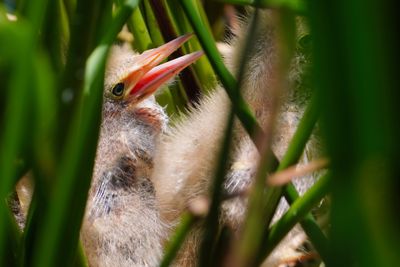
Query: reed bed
[{"x": 52, "y": 62}]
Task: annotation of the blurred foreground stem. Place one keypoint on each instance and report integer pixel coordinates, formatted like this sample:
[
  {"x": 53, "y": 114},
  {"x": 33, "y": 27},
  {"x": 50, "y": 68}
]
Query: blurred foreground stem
[{"x": 59, "y": 236}]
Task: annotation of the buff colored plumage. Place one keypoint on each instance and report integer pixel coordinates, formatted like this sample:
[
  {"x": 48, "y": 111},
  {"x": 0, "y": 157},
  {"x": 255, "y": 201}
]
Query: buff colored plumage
[{"x": 147, "y": 172}]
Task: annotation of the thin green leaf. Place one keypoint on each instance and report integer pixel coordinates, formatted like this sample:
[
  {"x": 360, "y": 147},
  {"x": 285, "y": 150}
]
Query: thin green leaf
[
  {"x": 207, "y": 42},
  {"x": 174, "y": 244},
  {"x": 202, "y": 66},
  {"x": 297, "y": 212}
]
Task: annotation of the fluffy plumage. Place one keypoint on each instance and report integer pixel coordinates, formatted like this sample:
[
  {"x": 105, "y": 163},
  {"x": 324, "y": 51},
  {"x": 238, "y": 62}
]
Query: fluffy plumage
[
  {"x": 121, "y": 225},
  {"x": 146, "y": 173},
  {"x": 186, "y": 157}
]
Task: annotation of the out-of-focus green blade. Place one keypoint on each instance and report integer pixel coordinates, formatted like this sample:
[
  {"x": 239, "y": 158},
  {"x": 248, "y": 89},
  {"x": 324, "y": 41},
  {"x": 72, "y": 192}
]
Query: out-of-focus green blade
[
  {"x": 16, "y": 54},
  {"x": 356, "y": 70},
  {"x": 59, "y": 233},
  {"x": 55, "y": 34}
]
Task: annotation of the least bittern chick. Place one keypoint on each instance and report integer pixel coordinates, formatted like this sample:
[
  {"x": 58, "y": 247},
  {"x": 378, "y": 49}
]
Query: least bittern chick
[
  {"x": 186, "y": 159},
  {"x": 121, "y": 225}
]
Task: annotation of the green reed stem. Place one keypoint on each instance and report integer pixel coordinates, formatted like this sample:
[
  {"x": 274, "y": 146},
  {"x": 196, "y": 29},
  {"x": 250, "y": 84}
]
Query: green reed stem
[{"x": 297, "y": 211}]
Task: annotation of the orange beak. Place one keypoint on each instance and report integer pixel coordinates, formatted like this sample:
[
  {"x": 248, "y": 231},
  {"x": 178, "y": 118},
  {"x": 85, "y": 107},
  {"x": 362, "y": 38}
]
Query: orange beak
[{"x": 146, "y": 77}]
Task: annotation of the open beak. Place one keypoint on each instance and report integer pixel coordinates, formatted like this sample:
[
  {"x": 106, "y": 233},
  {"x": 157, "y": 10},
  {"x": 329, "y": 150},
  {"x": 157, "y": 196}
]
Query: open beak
[{"x": 148, "y": 76}]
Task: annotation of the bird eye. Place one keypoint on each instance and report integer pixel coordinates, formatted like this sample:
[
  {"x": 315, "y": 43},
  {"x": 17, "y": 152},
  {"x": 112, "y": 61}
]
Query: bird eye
[{"x": 118, "y": 89}]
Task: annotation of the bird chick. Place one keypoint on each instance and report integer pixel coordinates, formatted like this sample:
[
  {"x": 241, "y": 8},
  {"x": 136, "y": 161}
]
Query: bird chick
[
  {"x": 186, "y": 157},
  {"x": 146, "y": 173},
  {"x": 121, "y": 226}
]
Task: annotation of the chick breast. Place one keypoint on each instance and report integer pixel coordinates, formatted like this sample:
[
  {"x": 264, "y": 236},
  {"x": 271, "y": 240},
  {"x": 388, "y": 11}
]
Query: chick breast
[{"x": 122, "y": 225}]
